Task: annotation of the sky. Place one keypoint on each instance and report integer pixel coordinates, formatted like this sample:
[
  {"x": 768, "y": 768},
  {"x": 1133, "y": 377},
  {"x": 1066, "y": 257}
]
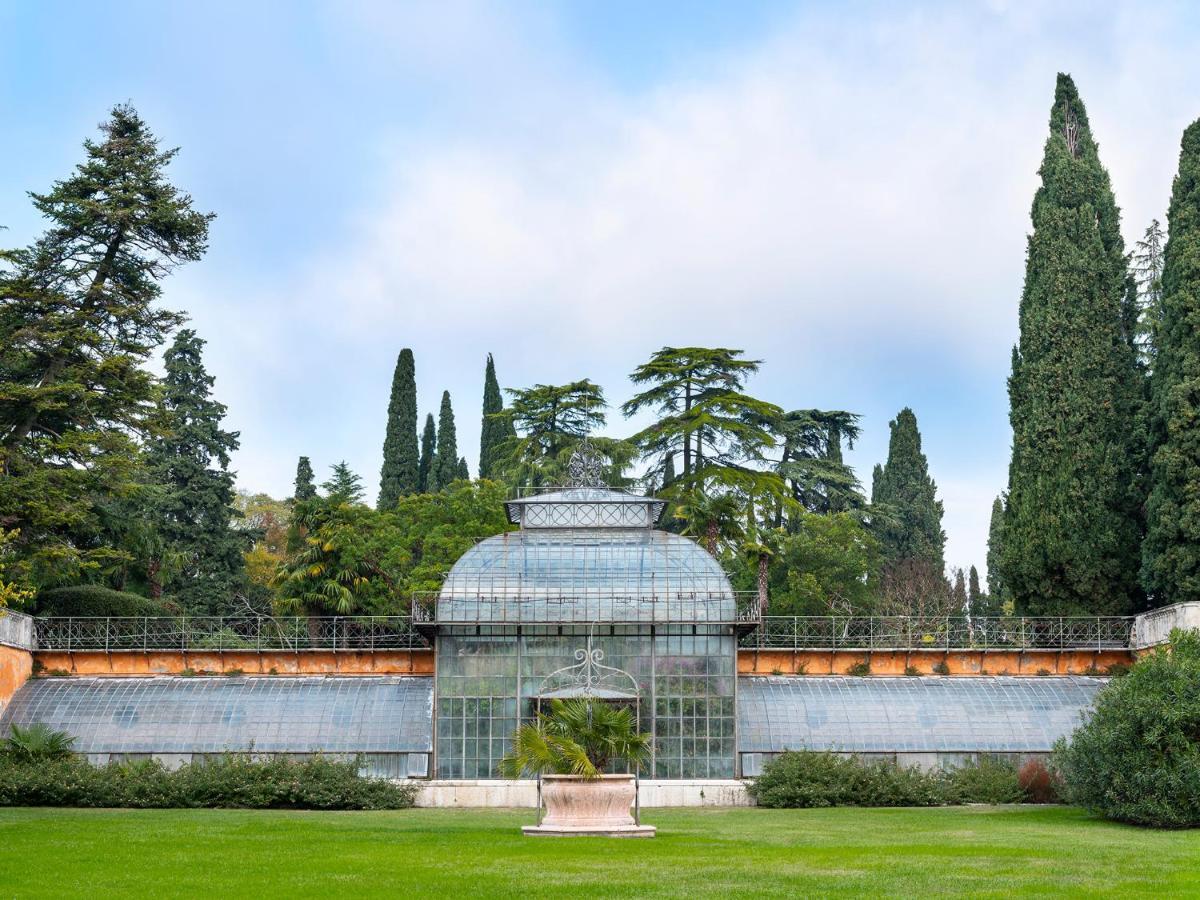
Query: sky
[{"x": 841, "y": 190}]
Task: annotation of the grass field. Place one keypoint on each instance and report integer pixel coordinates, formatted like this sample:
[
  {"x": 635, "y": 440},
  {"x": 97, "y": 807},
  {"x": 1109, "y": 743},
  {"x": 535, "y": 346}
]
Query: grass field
[{"x": 980, "y": 851}]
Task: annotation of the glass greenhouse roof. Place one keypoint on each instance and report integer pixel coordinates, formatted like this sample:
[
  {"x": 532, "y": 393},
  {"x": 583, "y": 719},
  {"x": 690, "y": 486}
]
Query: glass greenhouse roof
[
  {"x": 584, "y": 575},
  {"x": 887, "y": 715},
  {"x": 212, "y": 715}
]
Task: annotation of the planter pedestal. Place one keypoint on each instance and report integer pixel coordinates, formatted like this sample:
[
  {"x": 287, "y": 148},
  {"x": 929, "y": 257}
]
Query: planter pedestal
[{"x": 599, "y": 807}]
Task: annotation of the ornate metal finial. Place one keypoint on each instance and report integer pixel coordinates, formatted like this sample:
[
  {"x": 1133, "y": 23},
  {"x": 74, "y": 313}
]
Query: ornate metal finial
[{"x": 586, "y": 466}]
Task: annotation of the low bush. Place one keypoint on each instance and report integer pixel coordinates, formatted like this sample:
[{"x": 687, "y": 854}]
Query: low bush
[
  {"x": 1137, "y": 758},
  {"x": 803, "y": 779},
  {"x": 232, "y": 781},
  {"x": 93, "y": 600},
  {"x": 1039, "y": 782}
]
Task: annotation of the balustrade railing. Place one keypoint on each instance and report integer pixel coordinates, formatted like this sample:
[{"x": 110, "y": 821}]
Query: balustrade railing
[
  {"x": 586, "y": 607},
  {"x": 941, "y": 632},
  {"x": 222, "y": 633}
]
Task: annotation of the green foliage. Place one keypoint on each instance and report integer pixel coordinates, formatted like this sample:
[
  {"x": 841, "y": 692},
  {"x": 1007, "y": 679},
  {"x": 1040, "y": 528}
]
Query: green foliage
[
  {"x": 305, "y": 486},
  {"x": 806, "y": 779},
  {"x": 192, "y": 509},
  {"x": 428, "y": 452},
  {"x": 580, "y": 737},
  {"x": 909, "y": 525},
  {"x": 343, "y": 486},
  {"x": 234, "y": 781},
  {"x": 78, "y": 321},
  {"x": 1137, "y": 758},
  {"x": 997, "y": 593},
  {"x": 1072, "y": 522},
  {"x": 496, "y": 427},
  {"x": 36, "y": 744},
  {"x": 811, "y": 459},
  {"x": 95, "y": 600},
  {"x": 1147, "y": 263},
  {"x": 445, "y": 462},
  {"x": 1171, "y": 552},
  {"x": 400, "y": 474},
  {"x": 12, "y": 593}
]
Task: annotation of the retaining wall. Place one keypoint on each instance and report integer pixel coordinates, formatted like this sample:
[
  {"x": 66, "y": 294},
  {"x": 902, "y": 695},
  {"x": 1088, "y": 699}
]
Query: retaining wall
[{"x": 654, "y": 793}]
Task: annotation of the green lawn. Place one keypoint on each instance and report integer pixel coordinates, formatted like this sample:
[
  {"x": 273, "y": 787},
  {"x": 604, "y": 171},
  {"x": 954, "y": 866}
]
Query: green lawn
[{"x": 981, "y": 851}]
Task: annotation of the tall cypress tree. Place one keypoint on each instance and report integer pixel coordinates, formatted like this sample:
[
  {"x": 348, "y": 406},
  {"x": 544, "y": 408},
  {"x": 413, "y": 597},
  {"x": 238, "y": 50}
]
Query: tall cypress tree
[
  {"x": 1072, "y": 529},
  {"x": 445, "y": 461},
  {"x": 305, "y": 487},
  {"x": 400, "y": 474},
  {"x": 974, "y": 594},
  {"x": 995, "y": 552},
  {"x": 193, "y": 508},
  {"x": 1171, "y": 552},
  {"x": 496, "y": 429},
  {"x": 428, "y": 453},
  {"x": 910, "y": 524}
]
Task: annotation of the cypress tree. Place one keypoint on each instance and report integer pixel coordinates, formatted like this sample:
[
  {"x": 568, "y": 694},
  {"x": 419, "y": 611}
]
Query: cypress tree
[
  {"x": 910, "y": 528},
  {"x": 193, "y": 508},
  {"x": 495, "y": 429},
  {"x": 960, "y": 593},
  {"x": 428, "y": 452},
  {"x": 400, "y": 474},
  {"x": 974, "y": 594},
  {"x": 995, "y": 552},
  {"x": 445, "y": 461},
  {"x": 1071, "y": 527},
  {"x": 305, "y": 488},
  {"x": 1171, "y": 552},
  {"x": 464, "y": 471}
]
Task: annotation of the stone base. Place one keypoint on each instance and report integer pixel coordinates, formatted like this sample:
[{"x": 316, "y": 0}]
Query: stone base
[{"x": 621, "y": 831}]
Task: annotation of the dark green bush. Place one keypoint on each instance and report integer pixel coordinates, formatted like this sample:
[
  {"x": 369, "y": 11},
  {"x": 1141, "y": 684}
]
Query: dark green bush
[
  {"x": 94, "y": 600},
  {"x": 233, "y": 781},
  {"x": 816, "y": 779},
  {"x": 1137, "y": 758},
  {"x": 37, "y": 742}
]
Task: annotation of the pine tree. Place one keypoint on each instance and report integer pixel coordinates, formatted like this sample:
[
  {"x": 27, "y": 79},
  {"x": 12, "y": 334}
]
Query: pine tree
[
  {"x": 910, "y": 527},
  {"x": 1171, "y": 552},
  {"x": 811, "y": 460},
  {"x": 343, "y": 485},
  {"x": 428, "y": 453},
  {"x": 496, "y": 428},
  {"x": 445, "y": 461},
  {"x": 400, "y": 474},
  {"x": 1072, "y": 529},
  {"x": 305, "y": 488},
  {"x": 995, "y": 552},
  {"x": 193, "y": 508},
  {"x": 78, "y": 320},
  {"x": 1147, "y": 264}
]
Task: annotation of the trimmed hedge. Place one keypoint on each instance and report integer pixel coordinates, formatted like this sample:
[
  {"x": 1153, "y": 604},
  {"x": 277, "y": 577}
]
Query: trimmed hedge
[
  {"x": 233, "y": 781},
  {"x": 1137, "y": 758},
  {"x": 803, "y": 779},
  {"x": 95, "y": 600}
]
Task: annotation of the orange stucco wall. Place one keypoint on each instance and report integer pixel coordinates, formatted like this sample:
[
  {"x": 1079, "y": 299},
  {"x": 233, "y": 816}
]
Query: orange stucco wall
[
  {"x": 16, "y": 666},
  {"x": 251, "y": 662},
  {"x": 958, "y": 662}
]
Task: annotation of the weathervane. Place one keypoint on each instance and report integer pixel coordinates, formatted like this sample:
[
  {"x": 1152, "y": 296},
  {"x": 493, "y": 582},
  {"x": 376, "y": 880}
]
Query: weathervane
[{"x": 586, "y": 466}]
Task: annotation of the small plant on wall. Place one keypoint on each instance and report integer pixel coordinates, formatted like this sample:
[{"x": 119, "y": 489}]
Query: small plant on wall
[{"x": 859, "y": 669}]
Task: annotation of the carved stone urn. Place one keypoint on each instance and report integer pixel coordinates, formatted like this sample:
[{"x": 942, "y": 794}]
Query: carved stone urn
[{"x": 595, "y": 806}]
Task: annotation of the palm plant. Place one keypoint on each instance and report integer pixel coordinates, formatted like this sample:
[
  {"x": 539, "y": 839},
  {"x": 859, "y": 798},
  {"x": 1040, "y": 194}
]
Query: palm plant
[
  {"x": 580, "y": 737},
  {"x": 38, "y": 742}
]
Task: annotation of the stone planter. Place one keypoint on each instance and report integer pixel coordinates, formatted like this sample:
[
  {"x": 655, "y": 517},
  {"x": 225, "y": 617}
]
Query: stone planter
[{"x": 599, "y": 806}]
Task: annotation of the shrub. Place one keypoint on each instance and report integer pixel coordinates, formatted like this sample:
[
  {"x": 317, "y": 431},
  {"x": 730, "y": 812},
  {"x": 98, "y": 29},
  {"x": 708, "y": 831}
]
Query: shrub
[
  {"x": 1039, "y": 783},
  {"x": 230, "y": 781},
  {"x": 38, "y": 742},
  {"x": 985, "y": 781},
  {"x": 940, "y": 668},
  {"x": 94, "y": 600},
  {"x": 1137, "y": 758},
  {"x": 912, "y": 671},
  {"x": 859, "y": 669}
]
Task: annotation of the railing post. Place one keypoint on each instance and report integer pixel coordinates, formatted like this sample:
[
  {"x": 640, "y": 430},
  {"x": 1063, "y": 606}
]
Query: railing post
[{"x": 107, "y": 626}]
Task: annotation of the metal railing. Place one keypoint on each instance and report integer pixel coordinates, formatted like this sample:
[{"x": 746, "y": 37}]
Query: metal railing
[
  {"x": 941, "y": 633},
  {"x": 16, "y": 629},
  {"x": 698, "y": 607},
  {"x": 221, "y": 633}
]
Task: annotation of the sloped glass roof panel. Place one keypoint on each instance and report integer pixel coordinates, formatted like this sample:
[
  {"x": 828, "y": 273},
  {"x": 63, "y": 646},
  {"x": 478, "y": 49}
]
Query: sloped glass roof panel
[
  {"x": 1002, "y": 714},
  {"x": 213, "y": 715}
]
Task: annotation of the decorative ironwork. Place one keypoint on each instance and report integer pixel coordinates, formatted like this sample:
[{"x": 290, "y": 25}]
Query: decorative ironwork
[
  {"x": 941, "y": 632},
  {"x": 538, "y": 606},
  {"x": 218, "y": 633},
  {"x": 585, "y": 468},
  {"x": 589, "y": 678}
]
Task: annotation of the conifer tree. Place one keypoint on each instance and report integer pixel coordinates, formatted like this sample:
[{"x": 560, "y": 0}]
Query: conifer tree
[
  {"x": 305, "y": 488},
  {"x": 910, "y": 530},
  {"x": 995, "y": 552},
  {"x": 400, "y": 474},
  {"x": 496, "y": 428},
  {"x": 343, "y": 485},
  {"x": 974, "y": 594},
  {"x": 445, "y": 461},
  {"x": 1147, "y": 265},
  {"x": 193, "y": 506},
  {"x": 1072, "y": 521},
  {"x": 463, "y": 472},
  {"x": 425, "y": 480},
  {"x": 79, "y": 317},
  {"x": 959, "y": 594},
  {"x": 1171, "y": 552}
]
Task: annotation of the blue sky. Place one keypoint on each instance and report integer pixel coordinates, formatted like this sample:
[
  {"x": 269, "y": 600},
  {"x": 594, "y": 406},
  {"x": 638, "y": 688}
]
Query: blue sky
[{"x": 840, "y": 189}]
